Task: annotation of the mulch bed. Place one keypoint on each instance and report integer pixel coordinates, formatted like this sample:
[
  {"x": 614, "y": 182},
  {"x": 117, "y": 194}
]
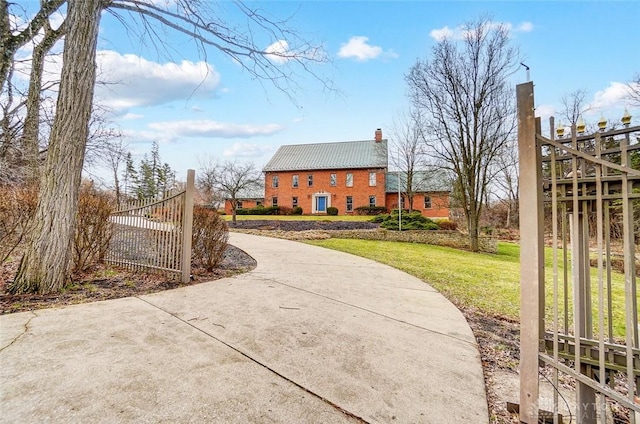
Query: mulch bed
[{"x": 109, "y": 282}]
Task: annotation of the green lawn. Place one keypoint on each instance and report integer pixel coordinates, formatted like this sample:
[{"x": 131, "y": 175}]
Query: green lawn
[
  {"x": 299, "y": 217},
  {"x": 489, "y": 282}
]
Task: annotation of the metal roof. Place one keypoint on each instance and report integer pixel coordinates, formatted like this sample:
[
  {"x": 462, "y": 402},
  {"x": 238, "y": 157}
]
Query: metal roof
[
  {"x": 340, "y": 155},
  {"x": 423, "y": 181},
  {"x": 255, "y": 192}
]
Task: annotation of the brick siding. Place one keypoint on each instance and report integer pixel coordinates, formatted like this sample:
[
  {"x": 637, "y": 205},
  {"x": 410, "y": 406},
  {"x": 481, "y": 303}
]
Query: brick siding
[{"x": 336, "y": 195}]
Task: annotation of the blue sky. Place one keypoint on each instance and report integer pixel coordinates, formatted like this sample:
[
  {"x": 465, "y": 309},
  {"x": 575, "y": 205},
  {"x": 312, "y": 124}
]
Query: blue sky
[{"x": 225, "y": 114}]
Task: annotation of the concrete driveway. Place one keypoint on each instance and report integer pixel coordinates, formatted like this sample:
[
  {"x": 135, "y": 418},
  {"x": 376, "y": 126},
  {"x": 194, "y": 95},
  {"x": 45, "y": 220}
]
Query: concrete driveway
[{"x": 309, "y": 336}]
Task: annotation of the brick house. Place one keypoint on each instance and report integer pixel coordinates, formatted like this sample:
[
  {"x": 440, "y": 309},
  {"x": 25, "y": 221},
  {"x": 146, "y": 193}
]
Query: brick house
[
  {"x": 246, "y": 200},
  {"x": 344, "y": 175},
  {"x": 431, "y": 191}
]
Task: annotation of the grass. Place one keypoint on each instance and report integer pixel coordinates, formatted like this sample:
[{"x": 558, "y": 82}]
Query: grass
[
  {"x": 489, "y": 282},
  {"x": 359, "y": 218}
]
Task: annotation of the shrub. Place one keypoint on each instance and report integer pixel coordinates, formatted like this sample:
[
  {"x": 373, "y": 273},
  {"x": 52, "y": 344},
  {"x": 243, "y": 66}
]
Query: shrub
[
  {"x": 296, "y": 211},
  {"x": 446, "y": 224},
  {"x": 209, "y": 239},
  {"x": 259, "y": 210},
  {"x": 93, "y": 228},
  {"x": 410, "y": 221},
  {"x": 284, "y": 210},
  {"x": 17, "y": 206},
  {"x": 331, "y": 210},
  {"x": 370, "y": 210},
  {"x": 378, "y": 219}
]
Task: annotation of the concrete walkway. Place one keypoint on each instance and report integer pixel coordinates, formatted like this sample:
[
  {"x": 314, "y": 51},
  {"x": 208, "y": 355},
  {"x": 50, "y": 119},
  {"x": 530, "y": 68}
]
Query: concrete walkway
[{"x": 310, "y": 336}]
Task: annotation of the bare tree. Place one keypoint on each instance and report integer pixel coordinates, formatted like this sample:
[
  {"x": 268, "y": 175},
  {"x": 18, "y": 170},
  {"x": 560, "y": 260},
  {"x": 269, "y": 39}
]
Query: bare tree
[
  {"x": 45, "y": 265},
  {"x": 573, "y": 105},
  {"x": 408, "y": 154},
  {"x": 468, "y": 109},
  {"x": 20, "y": 135},
  {"x": 507, "y": 182},
  {"x": 229, "y": 180},
  {"x": 113, "y": 154},
  {"x": 634, "y": 90}
]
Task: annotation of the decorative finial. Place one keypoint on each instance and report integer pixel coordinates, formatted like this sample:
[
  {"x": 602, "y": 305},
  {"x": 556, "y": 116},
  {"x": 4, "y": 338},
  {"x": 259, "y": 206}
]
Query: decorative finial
[
  {"x": 580, "y": 125},
  {"x": 602, "y": 123},
  {"x": 626, "y": 118}
]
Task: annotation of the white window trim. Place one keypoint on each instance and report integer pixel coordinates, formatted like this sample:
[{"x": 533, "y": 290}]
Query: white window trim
[
  {"x": 424, "y": 203},
  {"x": 347, "y": 204},
  {"x": 373, "y": 179}
]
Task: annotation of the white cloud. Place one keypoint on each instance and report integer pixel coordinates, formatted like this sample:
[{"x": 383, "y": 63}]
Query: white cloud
[
  {"x": 545, "y": 111},
  {"x": 143, "y": 136},
  {"x": 278, "y": 51},
  {"x": 209, "y": 128},
  {"x": 615, "y": 95},
  {"x": 358, "y": 48},
  {"x": 247, "y": 150},
  {"x": 130, "y": 80},
  {"x": 131, "y": 116},
  {"x": 525, "y": 27},
  {"x": 459, "y": 32},
  {"x": 441, "y": 33}
]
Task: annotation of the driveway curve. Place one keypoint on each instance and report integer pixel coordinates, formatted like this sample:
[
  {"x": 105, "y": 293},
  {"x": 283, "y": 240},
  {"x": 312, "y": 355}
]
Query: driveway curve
[{"x": 309, "y": 336}]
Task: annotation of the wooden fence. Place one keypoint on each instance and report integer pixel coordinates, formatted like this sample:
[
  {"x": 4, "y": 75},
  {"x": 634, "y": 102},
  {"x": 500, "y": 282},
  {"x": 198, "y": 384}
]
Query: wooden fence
[{"x": 155, "y": 234}]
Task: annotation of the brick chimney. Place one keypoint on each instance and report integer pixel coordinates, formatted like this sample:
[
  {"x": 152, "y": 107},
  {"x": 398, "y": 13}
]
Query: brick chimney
[{"x": 378, "y": 135}]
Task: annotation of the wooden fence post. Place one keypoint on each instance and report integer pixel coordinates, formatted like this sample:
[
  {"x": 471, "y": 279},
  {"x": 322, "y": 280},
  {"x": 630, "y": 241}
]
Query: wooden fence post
[
  {"x": 531, "y": 255},
  {"x": 187, "y": 226}
]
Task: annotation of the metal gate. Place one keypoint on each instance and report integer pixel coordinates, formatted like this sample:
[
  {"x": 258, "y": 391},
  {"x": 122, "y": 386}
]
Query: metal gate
[
  {"x": 155, "y": 234},
  {"x": 579, "y": 314}
]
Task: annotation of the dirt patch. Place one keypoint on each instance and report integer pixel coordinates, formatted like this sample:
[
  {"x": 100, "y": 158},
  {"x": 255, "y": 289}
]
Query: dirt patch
[{"x": 108, "y": 282}]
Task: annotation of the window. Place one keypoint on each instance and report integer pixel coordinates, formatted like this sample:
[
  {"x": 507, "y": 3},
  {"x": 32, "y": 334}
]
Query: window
[
  {"x": 310, "y": 180},
  {"x": 258, "y": 203},
  {"x": 349, "y": 204},
  {"x": 372, "y": 179},
  {"x": 274, "y": 181},
  {"x": 427, "y": 202},
  {"x": 294, "y": 181},
  {"x": 372, "y": 201},
  {"x": 349, "y": 179},
  {"x": 238, "y": 204},
  {"x": 294, "y": 202},
  {"x": 333, "y": 180},
  {"x": 274, "y": 201}
]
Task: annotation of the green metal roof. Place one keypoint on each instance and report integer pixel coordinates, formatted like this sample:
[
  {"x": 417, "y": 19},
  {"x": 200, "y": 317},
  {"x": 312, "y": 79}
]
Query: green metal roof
[
  {"x": 340, "y": 155},
  {"x": 423, "y": 181}
]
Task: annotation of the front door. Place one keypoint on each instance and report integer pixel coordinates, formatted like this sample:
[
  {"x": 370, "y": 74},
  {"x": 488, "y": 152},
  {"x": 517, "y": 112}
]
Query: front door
[{"x": 321, "y": 204}]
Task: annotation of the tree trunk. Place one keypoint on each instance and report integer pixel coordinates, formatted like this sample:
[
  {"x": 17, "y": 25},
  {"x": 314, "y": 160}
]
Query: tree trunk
[
  {"x": 45, "y": 265},
  {"x": 116, "y": 184},
  {"x": 474, "y": 231},
  {"x": 31, "y": 131}
]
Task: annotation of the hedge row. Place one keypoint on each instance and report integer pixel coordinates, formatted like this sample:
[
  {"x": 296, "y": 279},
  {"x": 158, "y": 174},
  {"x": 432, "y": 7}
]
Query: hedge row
[{"x": 270, "y": 210}]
